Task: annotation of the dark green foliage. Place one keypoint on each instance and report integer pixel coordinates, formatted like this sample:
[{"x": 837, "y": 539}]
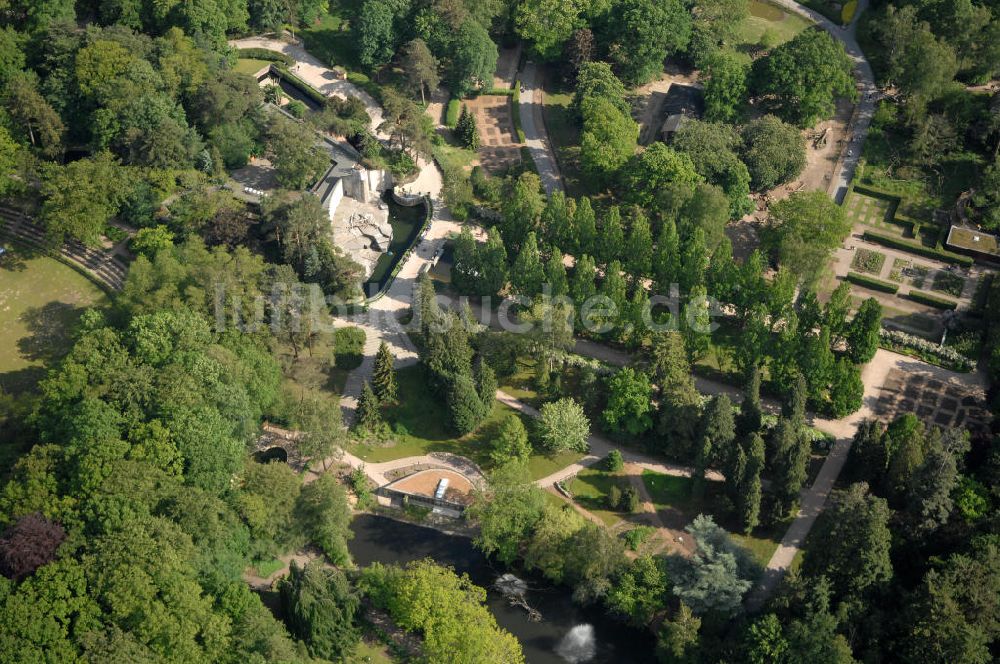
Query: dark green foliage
[
  {"x": 384, "y": 375},
  {"x": 368, "y": 417},
  {"x": 320, "y": 607},
  {"x": 871, "y": 282},
  {"x": 851, "y": 541},
  {"x": 614, "y": 462},
  {"x": 466, "y": 131}
]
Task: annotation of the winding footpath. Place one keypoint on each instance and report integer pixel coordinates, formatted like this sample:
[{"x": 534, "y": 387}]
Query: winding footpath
[{"x": 381, "y": 321}]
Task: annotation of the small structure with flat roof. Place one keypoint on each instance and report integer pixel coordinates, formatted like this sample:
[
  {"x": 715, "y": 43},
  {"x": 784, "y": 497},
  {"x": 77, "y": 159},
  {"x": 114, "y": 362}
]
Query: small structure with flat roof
[{"x": 973, "y": 241}]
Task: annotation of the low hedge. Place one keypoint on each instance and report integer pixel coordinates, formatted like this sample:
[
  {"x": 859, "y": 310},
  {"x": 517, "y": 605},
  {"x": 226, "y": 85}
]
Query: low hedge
[
  {"x": 265, "y": 54},
  {"x": 452, "y": 113},
  {"x": 877, "y": 193},
  {"x": 515, "y": 113},
  {"x": 932, "y": 300},
  {"x": 872, "y": 282},
  {"x": 917, "y": 248},
  {"x": 301, "y": 85}
]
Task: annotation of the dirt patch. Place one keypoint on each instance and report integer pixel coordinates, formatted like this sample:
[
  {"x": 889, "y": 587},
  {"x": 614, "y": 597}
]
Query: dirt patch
[
  {"x": 647, "y": 101},
  {"x": 498, "y": 146}
]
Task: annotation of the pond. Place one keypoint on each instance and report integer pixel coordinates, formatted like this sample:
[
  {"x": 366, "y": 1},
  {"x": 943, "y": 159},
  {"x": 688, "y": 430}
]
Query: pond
[
  {"x": 406, "y": 224},
  {"x": 385, "y": 540}
]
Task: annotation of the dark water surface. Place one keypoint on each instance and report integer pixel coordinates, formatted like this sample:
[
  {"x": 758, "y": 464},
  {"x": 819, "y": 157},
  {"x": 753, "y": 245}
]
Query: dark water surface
[{"x": 385, "y": 540}]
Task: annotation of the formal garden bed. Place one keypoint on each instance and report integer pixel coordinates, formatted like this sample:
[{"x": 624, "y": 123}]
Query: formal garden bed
[
  {"x": 866, "y": 260},
  {"x": 948, "y": 283}
]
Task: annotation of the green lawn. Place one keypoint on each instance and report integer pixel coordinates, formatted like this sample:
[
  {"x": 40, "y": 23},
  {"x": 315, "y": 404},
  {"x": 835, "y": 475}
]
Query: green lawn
[
  {"x": 564, "y": 133},
  {"x": 590, "y": 490},
  {"x": 420, "y": 426},
  {"x": 249, "y": 66},
  {"x": 453, "y": 157},
  {"x": 331, "y": 40},
  {"x": 40, "y": 300},
  {"x": 780, "y": 26},
  {"x": 674, "y": 493},
  {"x": 370, "y": 653}
]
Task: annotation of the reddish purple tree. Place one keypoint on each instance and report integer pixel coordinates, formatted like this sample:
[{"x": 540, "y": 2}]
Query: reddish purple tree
[{"x": 29, "y": 544}]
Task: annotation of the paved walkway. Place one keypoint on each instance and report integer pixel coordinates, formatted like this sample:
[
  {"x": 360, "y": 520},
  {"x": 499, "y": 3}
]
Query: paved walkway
[
  {"x": 533, "y": 126},
  {"x": 315, "y": 73}
]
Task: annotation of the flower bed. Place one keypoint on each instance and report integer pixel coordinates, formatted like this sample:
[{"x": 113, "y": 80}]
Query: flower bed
[
  {"x": 907, "y": 344},
  {"x": 917, "y": 248},
  {"x": 949, "y": 283},
  {"x": 866, "y": 260}
]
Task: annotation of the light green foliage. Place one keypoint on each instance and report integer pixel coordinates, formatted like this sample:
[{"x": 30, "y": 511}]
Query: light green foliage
[
  {"x": 447, "y": 609},
  {"x": 150, "y": 241},
  {"x": 808, "y": 227},
  {"x": 563, "y": 426},
  {"x": 608, "y": 139},
  {"x": 511, "y": 441},
  {"x": 324, "y": 517},
  {"x": 726, "y": 76},
  {"x": 80, "y": 198},
  {"x": 507, "y": 511},
  {"x": 640, "y": 590},
  {"x": 658, "y": 175},
  {"x": 547, "y": 24},
  {"x": 629, "y": 402},
  {"x": 712, "y": 149}
]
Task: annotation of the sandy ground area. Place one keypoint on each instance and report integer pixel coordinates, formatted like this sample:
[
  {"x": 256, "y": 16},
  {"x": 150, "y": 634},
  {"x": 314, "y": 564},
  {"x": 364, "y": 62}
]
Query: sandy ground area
[{"x": 648, "y": 100}]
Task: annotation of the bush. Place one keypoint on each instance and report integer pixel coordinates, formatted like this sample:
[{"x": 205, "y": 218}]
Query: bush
[
  {"x": 614, "y": 462},
  {"x": 917, "y": 248},
  {"x": 265, "y": 54},
  {"x": 871, "y": 282},
  {"x": 932, "y": 300},
  {"x": 630, "y": 500},
  {"x": 452, "y": 112},
  {"x": 349, "y": 345},
  {"x": 635, "y": 537},
  {"x": 297, "y": 108},
  {"x": 614, "y": 497}
]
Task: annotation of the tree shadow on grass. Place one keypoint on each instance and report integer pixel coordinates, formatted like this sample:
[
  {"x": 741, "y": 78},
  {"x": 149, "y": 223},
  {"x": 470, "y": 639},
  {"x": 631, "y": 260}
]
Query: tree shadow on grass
[{"x": 50, "y": 331}]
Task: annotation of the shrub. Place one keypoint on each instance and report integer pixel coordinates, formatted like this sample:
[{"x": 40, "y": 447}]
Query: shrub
[
  {"x": 348, "y": 344},
  {"x": 515, "y": 113},
  {"x": 932, "y": 300},
  {"x": 635, "y": 537},
  {"x": 614, "y": 462},
  {"x": 452, "y": 112},
  {"x": 614, "y": 497},
  {"x": 564, "y": 426},
  {"x": 297, "y": 108},
  {"x": 871, "y": 282},
  {"x": 630, "y": 500},
  {"x": 917, "y": 248},
  {"x": 265, "y": 54}
]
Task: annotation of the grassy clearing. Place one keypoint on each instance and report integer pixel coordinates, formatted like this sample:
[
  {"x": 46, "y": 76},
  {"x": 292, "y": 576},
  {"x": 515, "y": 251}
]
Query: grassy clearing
[
  {"x": 453, "y": 157},
  {"x": 265, "y": 568},
  {"x": 370, "y": 653},
  {"x": 564, "y": 134},
  {"x": 249, "y": 66},
  {"x": 590, "y": 490},
  {"x": 673, "y": 494},
  {"x": 40, "y": 301},
  {"x": 420, "y": 411},
  {"x": 331, "y": 40},
  {"x": 314, "y": 370},
  {"x": 778, "y": 25}
]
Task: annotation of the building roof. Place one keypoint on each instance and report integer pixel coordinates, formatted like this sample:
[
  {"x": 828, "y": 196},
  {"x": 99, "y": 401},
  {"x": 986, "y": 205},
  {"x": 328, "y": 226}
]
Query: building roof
[{"x": 974, "y": 240}]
